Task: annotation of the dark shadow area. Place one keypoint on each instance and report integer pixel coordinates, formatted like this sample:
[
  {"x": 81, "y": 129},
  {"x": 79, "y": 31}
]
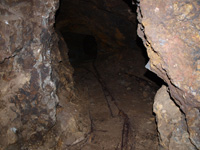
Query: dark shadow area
[
  {"x": 112, "y": 87},
  {"x": 58, "y": 11},
  {"x": 150, "y": 75},
  {"x": 82, "y": 47},
  {"x": 140, "y": 44},
  {"x": 153, "y": 77},
  {"x": 131, "y": 5}
]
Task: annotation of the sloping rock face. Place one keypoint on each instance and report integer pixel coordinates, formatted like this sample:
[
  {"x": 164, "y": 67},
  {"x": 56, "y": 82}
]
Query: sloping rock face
[
  {"x": 112, "y": 23},
  {"x": 29, "y": 67},
  {"x": 170, "y": 32},
  {"x": 171, "y": 123}
]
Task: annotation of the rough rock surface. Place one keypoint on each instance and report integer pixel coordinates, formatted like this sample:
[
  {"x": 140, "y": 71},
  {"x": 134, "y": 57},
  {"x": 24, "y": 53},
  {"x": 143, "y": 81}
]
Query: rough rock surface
[
  {"x": 112, "y": 23},
  {"x": 171, "y": 123},
  {"x": 32, "y": 72},
  {"x": 170, "y": 32}
]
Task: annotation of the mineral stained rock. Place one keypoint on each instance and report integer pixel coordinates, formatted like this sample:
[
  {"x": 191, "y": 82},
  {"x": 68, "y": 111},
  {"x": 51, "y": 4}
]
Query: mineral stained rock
[
  {"x": 171, "y": 123},
  {"x": 170, "y": 32},
  {"x": 36, "y": 83},
  {"x": 28, "y": 97}
]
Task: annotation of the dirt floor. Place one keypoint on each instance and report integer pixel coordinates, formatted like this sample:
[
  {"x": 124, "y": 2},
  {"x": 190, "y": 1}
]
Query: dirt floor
[{"x": 118, "y": 98}]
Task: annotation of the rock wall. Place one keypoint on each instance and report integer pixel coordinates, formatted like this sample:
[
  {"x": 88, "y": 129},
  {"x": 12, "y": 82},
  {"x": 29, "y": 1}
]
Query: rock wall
[
  {"x": 29, "y": 65},
  {"x": 172, "y": 128},
  {"x": 170, "y": 32}
]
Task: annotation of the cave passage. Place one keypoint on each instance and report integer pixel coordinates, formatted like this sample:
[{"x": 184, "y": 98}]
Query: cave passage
[
  {"x": 112, "y": 87},
  {"x": 81, "y": 47},
  {"x": 75, "y": 79}
]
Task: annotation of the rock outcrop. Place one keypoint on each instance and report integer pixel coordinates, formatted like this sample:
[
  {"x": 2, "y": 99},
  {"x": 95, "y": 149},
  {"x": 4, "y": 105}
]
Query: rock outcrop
[
  {"x": 170, "y": 32},
  {"x": 171, "y": 123},
  {"x": 30, "y": 76}
]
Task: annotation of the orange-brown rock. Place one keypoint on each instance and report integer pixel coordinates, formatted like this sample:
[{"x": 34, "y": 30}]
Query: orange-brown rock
[
  {"x": 170, "y": 32},
  {"x": 27, "y": 88}
]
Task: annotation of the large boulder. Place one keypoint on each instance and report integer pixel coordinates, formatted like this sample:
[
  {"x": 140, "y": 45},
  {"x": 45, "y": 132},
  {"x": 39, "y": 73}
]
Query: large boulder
[
  {"x": 170, "y": 32},
  {"x": 28, "y": 88},
  {"x": 171, "y": 123}
]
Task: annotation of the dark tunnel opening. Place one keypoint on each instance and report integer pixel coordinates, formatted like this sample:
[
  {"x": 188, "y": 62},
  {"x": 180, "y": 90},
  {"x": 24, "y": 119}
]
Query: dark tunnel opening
[
  {"x": 109, "y": 70},
  {"x": 82, "y": 47},
  {"x": 83, "y": 43}
]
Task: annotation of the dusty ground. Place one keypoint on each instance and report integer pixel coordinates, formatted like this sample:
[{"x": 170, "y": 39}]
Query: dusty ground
[{"x": 118, "y": 99}]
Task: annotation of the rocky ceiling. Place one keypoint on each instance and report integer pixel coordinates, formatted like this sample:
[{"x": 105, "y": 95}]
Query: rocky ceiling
[{"x": 112, "y": 23}]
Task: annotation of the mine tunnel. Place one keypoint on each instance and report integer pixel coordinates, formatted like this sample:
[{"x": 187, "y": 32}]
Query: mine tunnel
[
  {"x": 99, "y": 75},
  {"x": 112, "y": 86}
]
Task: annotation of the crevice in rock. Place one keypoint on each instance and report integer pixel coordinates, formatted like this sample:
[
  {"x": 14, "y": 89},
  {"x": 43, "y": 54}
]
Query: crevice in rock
[{"x": 7, "y": 58}]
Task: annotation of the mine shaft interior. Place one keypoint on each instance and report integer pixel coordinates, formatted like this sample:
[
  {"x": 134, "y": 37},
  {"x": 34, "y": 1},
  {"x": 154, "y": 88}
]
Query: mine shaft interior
[
  {"x": 113, "y": 89},
  {"x": 79, "y": 75},
  {"x": 81, "y": 47}
]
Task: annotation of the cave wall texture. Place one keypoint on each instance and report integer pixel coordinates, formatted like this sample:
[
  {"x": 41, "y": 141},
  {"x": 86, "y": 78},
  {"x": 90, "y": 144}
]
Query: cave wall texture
[
  {"x": 170, "y": 32},
  {"x": 29, "y": 64},
  {"x": 35, "y": 74}
]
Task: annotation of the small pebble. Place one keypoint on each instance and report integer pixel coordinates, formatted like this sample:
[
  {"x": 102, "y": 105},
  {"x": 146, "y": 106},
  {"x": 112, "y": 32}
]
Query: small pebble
[{"x": 128, "y": 88}]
